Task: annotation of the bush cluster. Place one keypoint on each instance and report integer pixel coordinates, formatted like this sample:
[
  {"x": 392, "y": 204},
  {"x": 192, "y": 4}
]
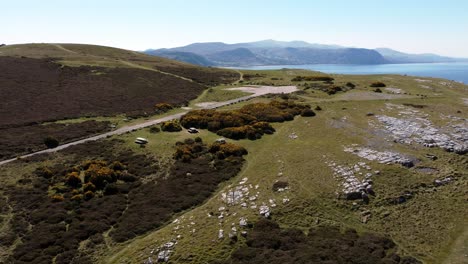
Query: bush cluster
[
  {"x": 252, "y": 132},
  {"x": 87, "y": 178},
  {"x": 251, "y": 121},
  {"x": 312, "y": 78},
  {"x": 192, "y": 149},
  {"x": 53, "y": 230},
  {"x": 333, "y": 89}
]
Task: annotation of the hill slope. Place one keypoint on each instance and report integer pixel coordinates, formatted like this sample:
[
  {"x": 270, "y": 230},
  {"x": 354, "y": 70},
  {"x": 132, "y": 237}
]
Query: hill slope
[
  {"x": 49, "y": 82},
  {"x": 188, "y": 57},
  {"x": 53, "y": 81}
]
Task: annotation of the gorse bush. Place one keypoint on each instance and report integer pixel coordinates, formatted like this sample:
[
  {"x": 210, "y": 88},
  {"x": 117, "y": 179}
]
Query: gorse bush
[
  {"x": 73, "y": 179},
  {"x": 251, "y": 121},
  {"x": 163, "y": 107},
  {"x": 54, "y": 229},
  {"x": 171, "y": 126},
  {"x": 98, "y": 174},
  {"x": 192, "y": 149}
]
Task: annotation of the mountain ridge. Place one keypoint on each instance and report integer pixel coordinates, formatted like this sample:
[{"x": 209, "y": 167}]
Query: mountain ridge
[{"x": 273, "y": 52}]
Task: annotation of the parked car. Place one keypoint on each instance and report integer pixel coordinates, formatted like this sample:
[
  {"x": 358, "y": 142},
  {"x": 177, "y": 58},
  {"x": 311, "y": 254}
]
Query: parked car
[
  {"x": 141, "y": 141},
  {"x": 192, "y": 130}
]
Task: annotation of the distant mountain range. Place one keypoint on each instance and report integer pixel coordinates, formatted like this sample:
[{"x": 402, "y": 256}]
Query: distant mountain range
[{"x": 272, "y": 52}]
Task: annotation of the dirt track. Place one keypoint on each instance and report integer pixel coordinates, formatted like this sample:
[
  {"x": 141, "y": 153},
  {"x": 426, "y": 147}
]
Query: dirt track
[{"x": 261, "y": 91}]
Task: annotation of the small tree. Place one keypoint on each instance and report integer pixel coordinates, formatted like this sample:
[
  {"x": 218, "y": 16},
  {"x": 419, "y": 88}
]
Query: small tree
[{"x": 51, "y": 142}]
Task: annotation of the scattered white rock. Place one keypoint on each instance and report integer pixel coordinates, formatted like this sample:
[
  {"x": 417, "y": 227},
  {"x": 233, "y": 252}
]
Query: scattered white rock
[
  {"x": 393, "y": 90},
  {"x": 414, "y": 126},
  {"x": 264, "y": 211},
  {"x": 443, "y": 181},
  {"x": 384, "y": 157},
  {"x": 243, "y": 222},
  {"x": 351, "y": 186}
]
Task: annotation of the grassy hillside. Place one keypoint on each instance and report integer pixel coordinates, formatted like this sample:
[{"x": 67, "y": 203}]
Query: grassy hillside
[
  {"x": 298, "y": 172},
  {"x": 429, "y": 226},
  {"x": 92, "y": 55},
  {"x": 50, "y": 82}
]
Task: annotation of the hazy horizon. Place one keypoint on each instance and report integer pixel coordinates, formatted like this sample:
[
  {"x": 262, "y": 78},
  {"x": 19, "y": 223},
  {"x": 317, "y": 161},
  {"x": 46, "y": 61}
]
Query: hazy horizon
[{"x": 418, "y": 27}]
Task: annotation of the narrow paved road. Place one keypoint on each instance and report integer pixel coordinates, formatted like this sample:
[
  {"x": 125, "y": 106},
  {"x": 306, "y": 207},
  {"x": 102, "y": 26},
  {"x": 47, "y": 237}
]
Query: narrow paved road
[{"x": 122, "y": 130}]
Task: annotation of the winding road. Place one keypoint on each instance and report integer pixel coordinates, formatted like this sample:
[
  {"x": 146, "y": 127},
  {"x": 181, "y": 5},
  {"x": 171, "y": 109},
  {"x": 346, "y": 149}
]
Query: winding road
[{"x": 257, "y": 91}]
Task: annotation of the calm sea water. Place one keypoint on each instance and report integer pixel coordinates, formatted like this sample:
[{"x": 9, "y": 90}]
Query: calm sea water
[{"x": 451, "y": 71}]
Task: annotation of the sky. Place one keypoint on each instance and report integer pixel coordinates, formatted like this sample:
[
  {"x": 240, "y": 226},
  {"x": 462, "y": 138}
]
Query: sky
[{"x": 413, "y": 26}]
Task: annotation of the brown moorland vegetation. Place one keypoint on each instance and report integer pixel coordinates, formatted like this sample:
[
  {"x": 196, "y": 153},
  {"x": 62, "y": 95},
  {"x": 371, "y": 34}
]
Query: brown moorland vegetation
[
  {"x": 16, "y": 141},
  {"x": 97, "y": 188},
  {"x": 38, "y": 90},
  {"x": 268, "y": 243}
]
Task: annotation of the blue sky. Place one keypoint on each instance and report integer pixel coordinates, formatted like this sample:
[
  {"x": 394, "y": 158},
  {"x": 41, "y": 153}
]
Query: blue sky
[{"x": 415, "y": 26}]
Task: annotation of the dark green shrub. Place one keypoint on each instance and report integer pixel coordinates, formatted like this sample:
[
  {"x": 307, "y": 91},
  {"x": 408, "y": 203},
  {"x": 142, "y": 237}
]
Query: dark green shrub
[
  {"x": 51, "y": 142},
  {"x": 154, "y": 129},
  {"x": 378, "y": 90},
  {"x": 377, "y": 84},
  {"x": 312, "y": 78},
  {"x": 307, "y": 112},
  {"x": 88, "y": 195}
]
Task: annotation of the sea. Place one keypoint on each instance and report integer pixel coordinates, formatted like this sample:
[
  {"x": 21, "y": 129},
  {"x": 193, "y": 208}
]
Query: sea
[{"x": 455, "y": 71}]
